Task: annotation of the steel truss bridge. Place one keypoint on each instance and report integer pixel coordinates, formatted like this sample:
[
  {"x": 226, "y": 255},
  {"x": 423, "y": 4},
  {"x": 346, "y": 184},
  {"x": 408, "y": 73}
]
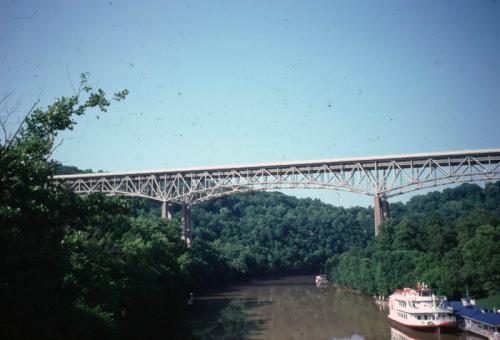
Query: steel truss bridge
[{"x": 381, "y": 177}]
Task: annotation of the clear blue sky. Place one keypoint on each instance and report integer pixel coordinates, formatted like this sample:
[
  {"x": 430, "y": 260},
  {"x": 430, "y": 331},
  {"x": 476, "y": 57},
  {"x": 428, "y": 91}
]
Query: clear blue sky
[{"x": 227, "y": 82}]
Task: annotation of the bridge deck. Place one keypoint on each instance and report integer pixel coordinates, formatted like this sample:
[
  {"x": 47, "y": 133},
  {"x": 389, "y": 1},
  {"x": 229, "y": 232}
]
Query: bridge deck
[{"x": 452, "y": 158}]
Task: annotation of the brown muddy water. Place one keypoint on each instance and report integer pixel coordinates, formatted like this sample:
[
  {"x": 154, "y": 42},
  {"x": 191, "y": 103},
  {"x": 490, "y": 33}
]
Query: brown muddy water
[{"x": 293, "y": 308}]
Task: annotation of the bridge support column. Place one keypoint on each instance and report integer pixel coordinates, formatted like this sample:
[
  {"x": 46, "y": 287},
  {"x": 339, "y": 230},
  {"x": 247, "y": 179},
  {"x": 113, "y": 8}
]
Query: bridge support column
[
  {"x": 380, "y": 213},
  {"x": 187, "y": 233},
  {"x": 167, "y": 211}
]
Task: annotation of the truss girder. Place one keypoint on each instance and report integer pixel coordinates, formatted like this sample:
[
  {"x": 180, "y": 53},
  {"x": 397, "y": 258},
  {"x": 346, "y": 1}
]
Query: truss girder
[{"x": 369, "y": 176}]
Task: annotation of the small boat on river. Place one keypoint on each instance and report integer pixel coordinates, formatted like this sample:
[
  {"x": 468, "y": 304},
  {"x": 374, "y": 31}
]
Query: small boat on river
[
  {"x": 321, "y": 281},
  {"x": 420, "y": 308}
]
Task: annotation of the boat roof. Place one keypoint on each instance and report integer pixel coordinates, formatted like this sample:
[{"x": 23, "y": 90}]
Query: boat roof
[{"x": 476, "y": 313}]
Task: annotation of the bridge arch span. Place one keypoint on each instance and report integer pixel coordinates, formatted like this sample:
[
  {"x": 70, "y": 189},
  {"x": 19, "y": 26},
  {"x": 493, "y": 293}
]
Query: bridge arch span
[{"x": 381, "y": 177}]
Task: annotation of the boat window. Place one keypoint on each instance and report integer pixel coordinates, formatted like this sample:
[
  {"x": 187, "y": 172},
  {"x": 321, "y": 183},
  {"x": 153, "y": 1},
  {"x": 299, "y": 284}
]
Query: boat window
[
  {"x": 425, "y": 317},
  {"x": 418, "y": 317}
]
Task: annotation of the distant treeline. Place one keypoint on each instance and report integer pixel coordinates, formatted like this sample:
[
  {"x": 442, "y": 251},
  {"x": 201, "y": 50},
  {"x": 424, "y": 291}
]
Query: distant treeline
[
  {"x": 259, "y": 234},
  {"x": 449, "y": 239},
  {"x": 69, "y": 169}
]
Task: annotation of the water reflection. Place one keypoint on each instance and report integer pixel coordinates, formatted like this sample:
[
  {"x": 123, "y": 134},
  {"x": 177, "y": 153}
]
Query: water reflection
[
  {"x": 404, "y": 333},
  {"x": 224, "y": 318},
  {"x": 399, "y": 335},
  {"x": 291, "y": 308}
]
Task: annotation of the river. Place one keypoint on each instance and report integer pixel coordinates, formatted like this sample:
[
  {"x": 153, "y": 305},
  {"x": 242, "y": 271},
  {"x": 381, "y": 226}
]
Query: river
[{"x": 293, "y": 308}]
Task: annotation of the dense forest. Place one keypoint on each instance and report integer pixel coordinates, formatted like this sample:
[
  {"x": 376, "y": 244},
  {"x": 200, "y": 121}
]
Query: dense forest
[
  {"x": 261, "y": 234},
  {"x": 448, "y": 239},
  {"x": 97, "y": 266}
]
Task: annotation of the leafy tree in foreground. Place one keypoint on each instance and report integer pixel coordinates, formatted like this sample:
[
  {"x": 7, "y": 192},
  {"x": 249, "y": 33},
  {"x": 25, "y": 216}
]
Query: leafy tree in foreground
[
  {"x": 127, "y": 273},
  {"x": 34, "y": 215}
]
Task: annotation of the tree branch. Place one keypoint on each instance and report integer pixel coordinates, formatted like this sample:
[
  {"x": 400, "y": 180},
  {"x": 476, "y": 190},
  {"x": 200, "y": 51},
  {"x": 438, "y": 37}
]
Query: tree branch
[
  {"x": 4, "y": 98},
  {"x": 54, "y": 148},
  {"x": 8, "y": 113},
  {"x": 19, "y": 128},
  {"x": 5, "y": 137},
  {"x": 69, "y": 78}
]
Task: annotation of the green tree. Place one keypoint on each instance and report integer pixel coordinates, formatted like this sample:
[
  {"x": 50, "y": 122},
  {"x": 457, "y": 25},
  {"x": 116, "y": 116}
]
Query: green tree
[
  {"x": 449, "y": 240},
  {"x": 482, "y": 260},
  {"x": 34, "y": 214}
]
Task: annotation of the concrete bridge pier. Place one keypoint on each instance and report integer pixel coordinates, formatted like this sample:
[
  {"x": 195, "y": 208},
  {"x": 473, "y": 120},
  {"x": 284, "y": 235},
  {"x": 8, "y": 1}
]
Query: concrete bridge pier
[
  {"x": 167, "y": 210},
  {"x": 187, "y": 232},
  {"x": 381, "y": 212}
]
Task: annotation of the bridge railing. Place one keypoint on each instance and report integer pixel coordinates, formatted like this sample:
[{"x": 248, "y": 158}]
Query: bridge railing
[{"x": 383, "y": 177}]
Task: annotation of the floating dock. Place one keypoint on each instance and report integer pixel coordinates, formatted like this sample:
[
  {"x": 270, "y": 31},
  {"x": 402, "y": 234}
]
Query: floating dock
[{"x": 476, "y": 319}]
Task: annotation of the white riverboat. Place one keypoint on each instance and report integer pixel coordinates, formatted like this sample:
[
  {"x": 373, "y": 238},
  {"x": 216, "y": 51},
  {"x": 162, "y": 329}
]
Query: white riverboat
[
  {"x": 321, "y": 281},
  {"x": 420, "y": 308}
]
